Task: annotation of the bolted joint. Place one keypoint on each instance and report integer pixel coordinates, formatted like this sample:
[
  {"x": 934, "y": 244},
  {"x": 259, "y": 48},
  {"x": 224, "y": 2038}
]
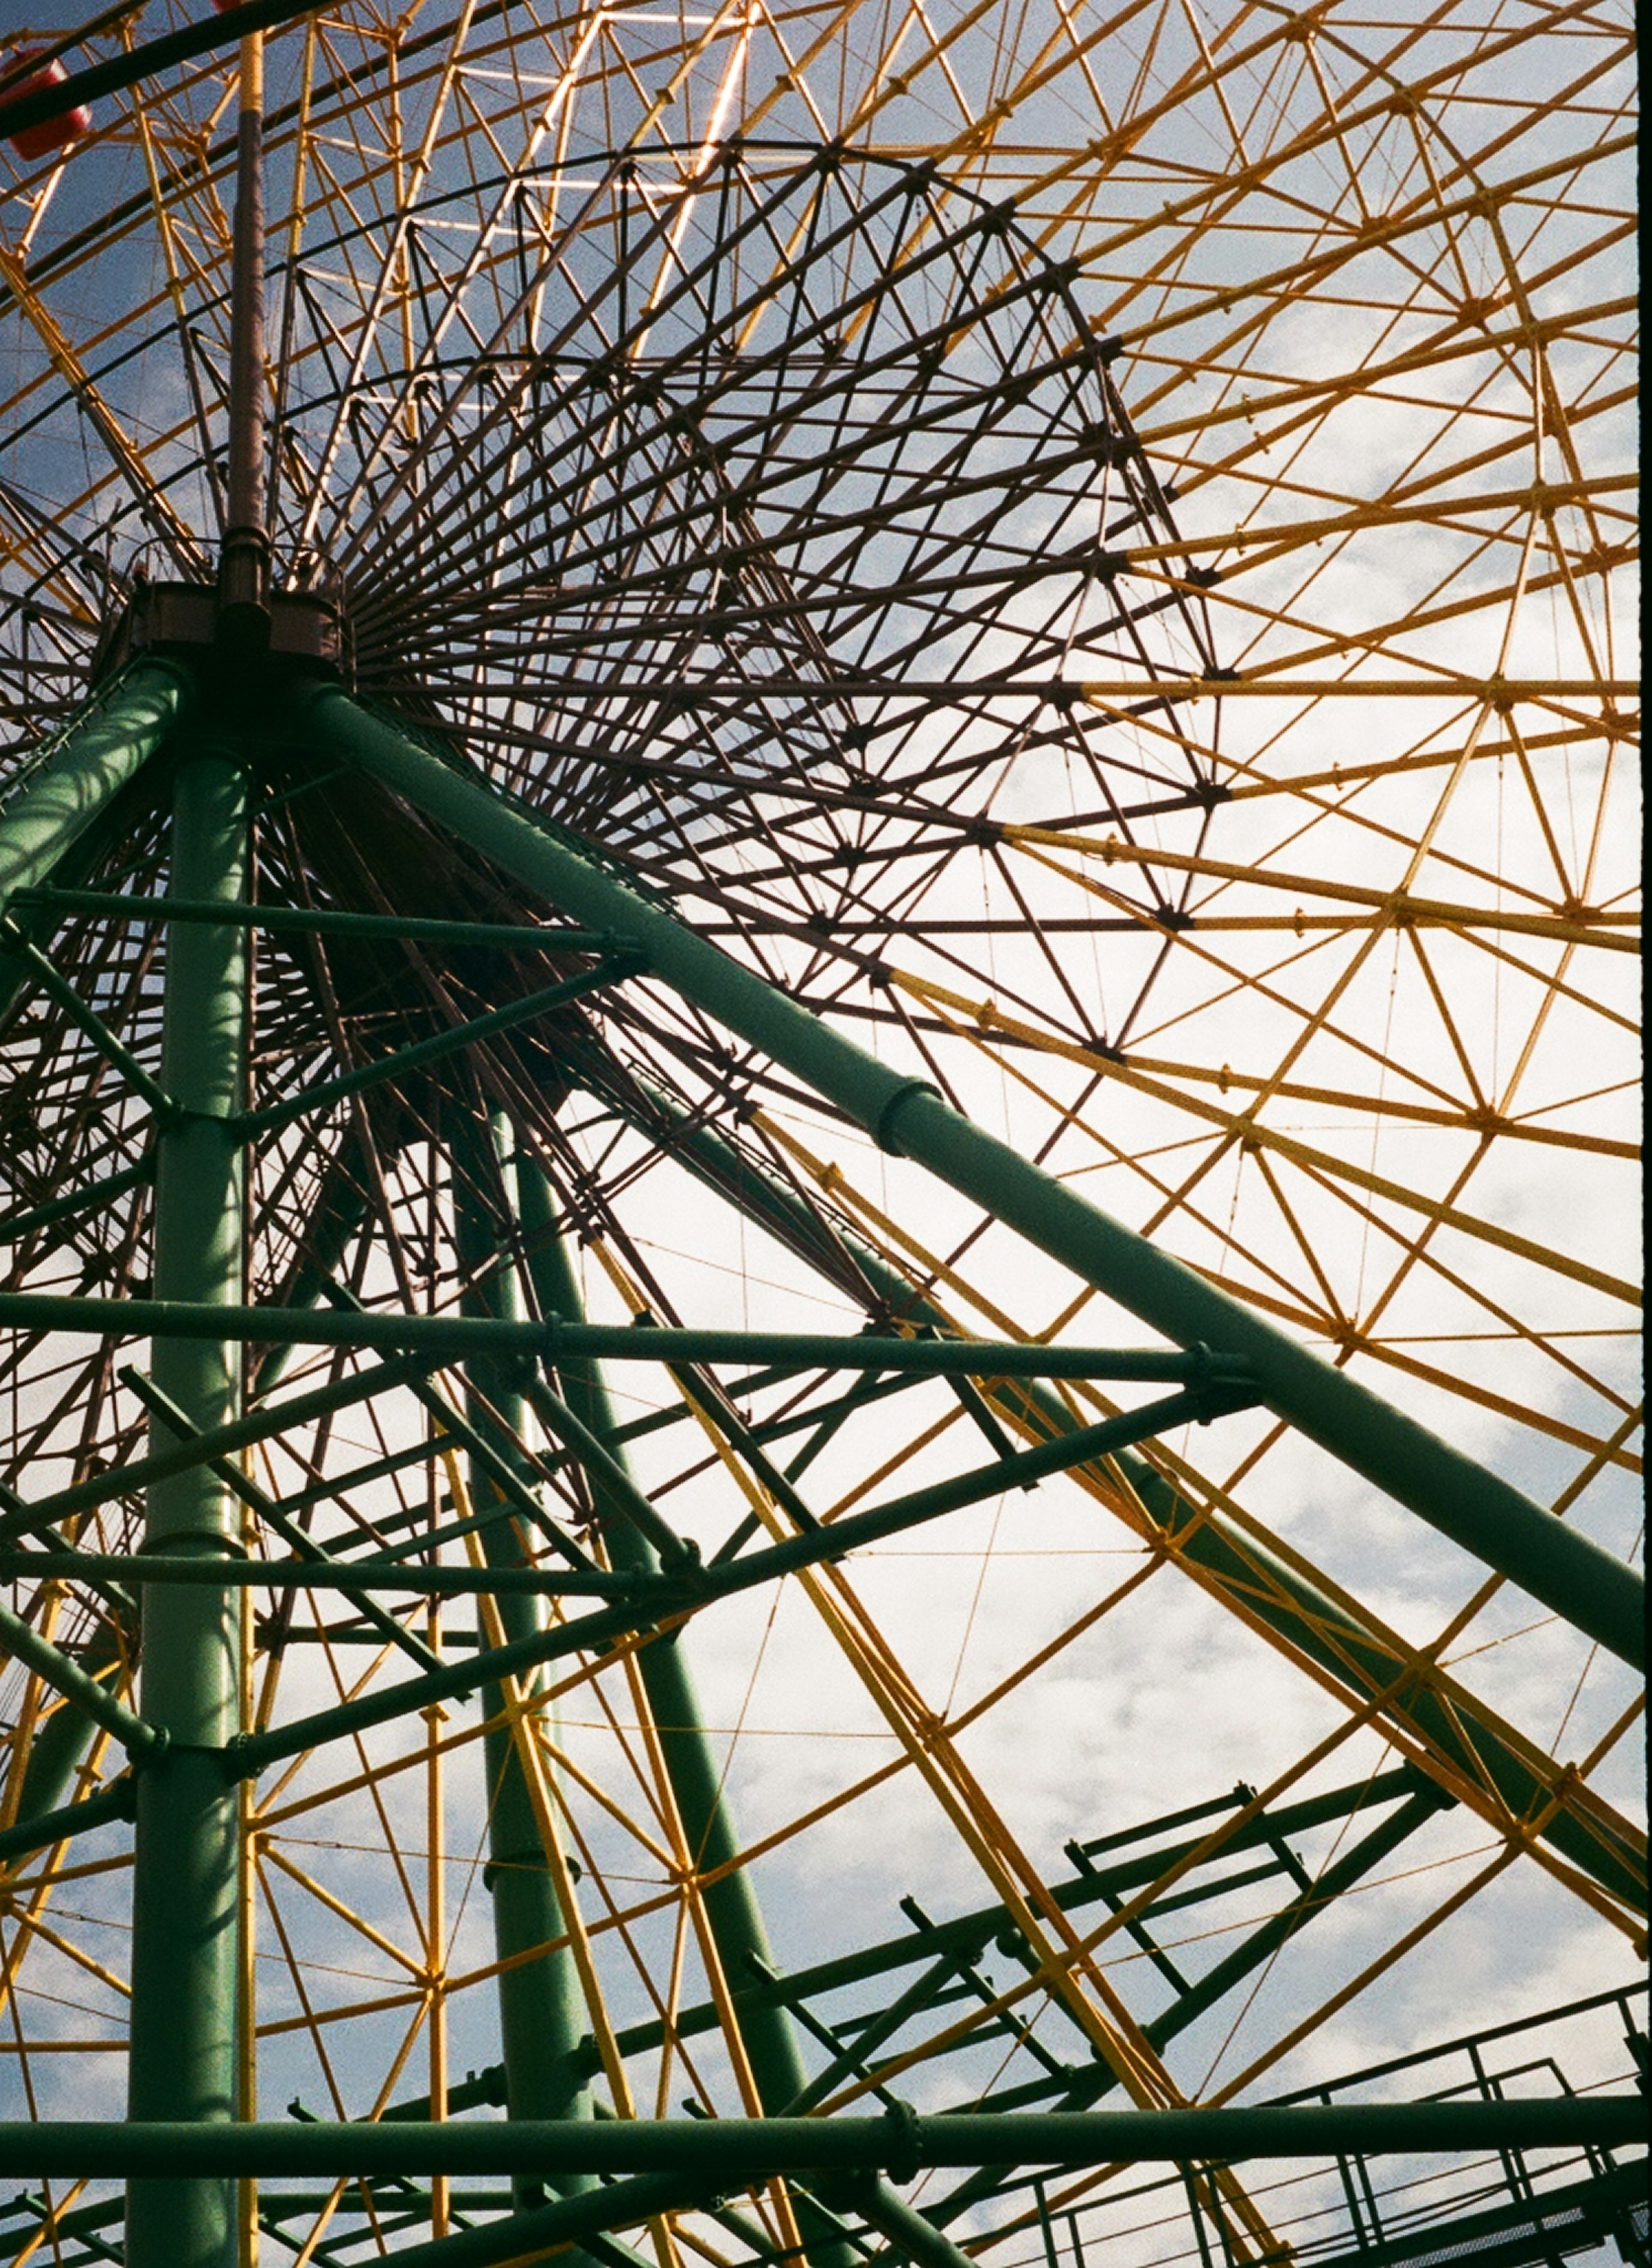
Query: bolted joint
[
  {"x": 883, "y": 1128},
  {"x": 903, "y": 2154},
  {"x": 235, "y": 1760},
  {"x": 504, "y": 1864}
]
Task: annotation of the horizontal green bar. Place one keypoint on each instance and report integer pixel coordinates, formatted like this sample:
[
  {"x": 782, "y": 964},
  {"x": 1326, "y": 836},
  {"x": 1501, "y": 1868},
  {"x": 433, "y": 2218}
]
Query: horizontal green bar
[
  {"x": 456, "y": 1336},
  {"x": 900, "y": 2142},
  {"x": 684, "y": 1592},
  {"x": 325, "y": 922},
  {"x": 305, "y": 1575}
]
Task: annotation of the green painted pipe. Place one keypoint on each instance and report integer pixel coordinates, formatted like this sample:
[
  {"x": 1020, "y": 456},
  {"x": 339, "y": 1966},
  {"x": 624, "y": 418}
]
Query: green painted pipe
[
  {"x": 184, "y": 2062},
  {"x": 89, "y": 1199},
  {"x": 37, "y": 970},
  {"x": 308, "y": 1575},
  {"x": 695, "y": 1772},
  {"x": 1477, "y": 1509},
  {"x": 608, "y": 1472},
  {"x": 44, "y": 1828},
  {"x": 886, "y": 2210},
  {"x": 61, "y": 1738},
  {"x": 445, "y": 1337},
  {"x": 252, "y": 1123},
  {"x": 95, "y": 756},
  {"x": 95, "y": 1702},
  {"x": 335, "y": 1215},
  {"x": 570, "y": 2221},
  {"x": 56, "y": 823},
  {"x": 542, "y": 2016},
  {"x": 900, "y": 2143}
]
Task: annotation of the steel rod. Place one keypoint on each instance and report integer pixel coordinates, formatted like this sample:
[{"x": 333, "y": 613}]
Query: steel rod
[
  {"x": 251, "y": 1123},
  {"x": 87, "y": 1200},
  {"x": 15, "y": 947},
  {"x": 678, "y": 1594},
  {"x": 20, "y": 1840},
  {"x": 309, "y": 1575},
  {"x": 733, "y": 1912},
  {"x": 898, "y": 2143},
  {"x": 186, "y": 1920},
  {"x": 323, "y": 922},
  {"x": 241, "y": 1485},
  {"x": 217, "y": 1442},
  {"x": 542, "y": 2016},
  {"x": 913, "y": 2235},
  {"x": 24, "y": 1644},
  {"x": 556, "y": 1340}
]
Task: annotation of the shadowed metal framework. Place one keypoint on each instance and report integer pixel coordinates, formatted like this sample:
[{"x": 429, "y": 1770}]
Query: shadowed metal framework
[{"x": 689, "y": 939}]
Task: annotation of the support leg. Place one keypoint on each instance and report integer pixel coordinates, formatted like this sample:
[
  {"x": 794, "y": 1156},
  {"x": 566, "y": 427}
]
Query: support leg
[
  {"x": 542, "y": 2014},
  {"x": 185, "y": 1967},
  {"x": 732, "y": 1909}
]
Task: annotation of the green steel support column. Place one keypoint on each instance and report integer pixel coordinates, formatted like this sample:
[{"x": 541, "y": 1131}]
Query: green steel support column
[
  {"x": 542, "y": 2016},
  {"x": 733, "y": 1912},
  {"x": 95, "y": 758},
  {"x": 731, "y": 1907},
  {"x": 107, "y": 746},
  {"x": 185, "y": 1967},
  {"x": 1478, "y": 1509}
]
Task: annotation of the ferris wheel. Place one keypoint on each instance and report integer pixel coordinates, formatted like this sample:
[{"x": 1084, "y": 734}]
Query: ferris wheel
[{"x": 817, "y": 1100}]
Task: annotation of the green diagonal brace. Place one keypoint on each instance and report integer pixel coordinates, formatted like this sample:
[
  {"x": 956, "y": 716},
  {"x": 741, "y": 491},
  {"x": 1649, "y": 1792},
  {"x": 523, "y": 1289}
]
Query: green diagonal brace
[
  {"x": 1476, "y": 1508},
  {"x": 95, "y": 758},
  {"x": 24, "y": 1644},
  {"x": 48, "y": 826}
]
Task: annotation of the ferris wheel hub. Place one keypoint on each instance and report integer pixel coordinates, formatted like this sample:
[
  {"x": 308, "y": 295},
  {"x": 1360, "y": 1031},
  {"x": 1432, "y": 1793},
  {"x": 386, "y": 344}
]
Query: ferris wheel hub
[{"x": 160, "y": 617}]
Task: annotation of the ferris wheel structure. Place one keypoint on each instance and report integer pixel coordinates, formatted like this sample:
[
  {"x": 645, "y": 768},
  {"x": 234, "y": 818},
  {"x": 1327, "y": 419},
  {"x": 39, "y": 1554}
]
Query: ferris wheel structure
[{"x": 818, "y": 1005}]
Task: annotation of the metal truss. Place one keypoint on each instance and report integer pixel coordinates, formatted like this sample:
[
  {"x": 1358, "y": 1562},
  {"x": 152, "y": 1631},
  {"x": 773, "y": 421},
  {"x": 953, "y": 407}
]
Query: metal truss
[{"x": 814, "y": 1001}]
